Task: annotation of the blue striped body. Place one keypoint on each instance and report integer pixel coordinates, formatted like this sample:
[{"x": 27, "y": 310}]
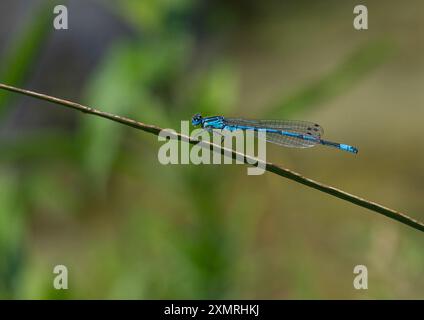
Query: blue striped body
[{"x": 290, "y": 133}]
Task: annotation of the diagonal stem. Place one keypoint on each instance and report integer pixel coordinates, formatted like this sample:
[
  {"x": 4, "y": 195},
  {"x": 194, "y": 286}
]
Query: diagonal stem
[{"x": 283, "y": 172}]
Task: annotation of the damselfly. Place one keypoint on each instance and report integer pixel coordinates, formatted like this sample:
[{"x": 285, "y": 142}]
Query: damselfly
[{"x": 288, "y": 133}]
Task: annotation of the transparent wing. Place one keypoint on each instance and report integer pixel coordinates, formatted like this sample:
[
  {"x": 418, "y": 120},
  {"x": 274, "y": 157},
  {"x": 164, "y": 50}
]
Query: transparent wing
[
  {"x": 302, "y": 127},
  {"x": 288, "y": 141},
  {"x": 291, "y": 126}
]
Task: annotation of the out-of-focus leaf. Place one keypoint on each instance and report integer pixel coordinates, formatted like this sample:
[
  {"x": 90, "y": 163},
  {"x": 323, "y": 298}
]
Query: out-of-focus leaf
[
  {"x": 126, "y": 84},
  {"x": 150, "y": 15},
  {"x": 354, "y": 68},
  {"x": 215, "y": 92},
  {"x": 11, "y": 231},
  {"x": 25, "y": 48},
  {"x": 113, "y": 89},
  {"x": 162, "y": 63}
]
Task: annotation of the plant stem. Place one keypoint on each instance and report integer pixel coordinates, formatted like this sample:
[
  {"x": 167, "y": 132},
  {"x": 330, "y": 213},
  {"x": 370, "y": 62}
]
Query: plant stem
[{"x": 283, "y": 172}]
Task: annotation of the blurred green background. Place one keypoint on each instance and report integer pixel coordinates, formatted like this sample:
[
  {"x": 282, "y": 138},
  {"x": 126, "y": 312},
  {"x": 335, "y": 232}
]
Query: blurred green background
[{"x": 90, "y": 194}]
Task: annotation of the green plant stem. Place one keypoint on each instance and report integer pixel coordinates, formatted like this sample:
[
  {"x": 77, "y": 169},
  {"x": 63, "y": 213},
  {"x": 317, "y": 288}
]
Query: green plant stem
[{"x": 283, "y": 172}]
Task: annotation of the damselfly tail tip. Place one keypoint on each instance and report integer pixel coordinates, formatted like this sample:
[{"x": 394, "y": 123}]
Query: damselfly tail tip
[{"x": 348, "y": 148}]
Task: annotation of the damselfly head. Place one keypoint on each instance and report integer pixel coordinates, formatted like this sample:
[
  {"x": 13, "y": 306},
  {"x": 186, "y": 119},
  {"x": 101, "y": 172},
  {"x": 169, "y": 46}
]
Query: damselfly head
[{"x": 196, "y": 120}]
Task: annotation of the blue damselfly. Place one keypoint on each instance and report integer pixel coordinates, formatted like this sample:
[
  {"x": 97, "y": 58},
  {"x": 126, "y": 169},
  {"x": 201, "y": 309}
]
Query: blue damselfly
[{"x": 288, "y": 133}]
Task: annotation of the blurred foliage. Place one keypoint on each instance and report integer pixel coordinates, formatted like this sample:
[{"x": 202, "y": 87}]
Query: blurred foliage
[
  {"x": 24, "y": 50},
  {"x": 12, "y": 227},
  {"x": 154, "y": 17},
  {"x": 350, "y": 71},
  {"x": 95, "y": 199}
]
